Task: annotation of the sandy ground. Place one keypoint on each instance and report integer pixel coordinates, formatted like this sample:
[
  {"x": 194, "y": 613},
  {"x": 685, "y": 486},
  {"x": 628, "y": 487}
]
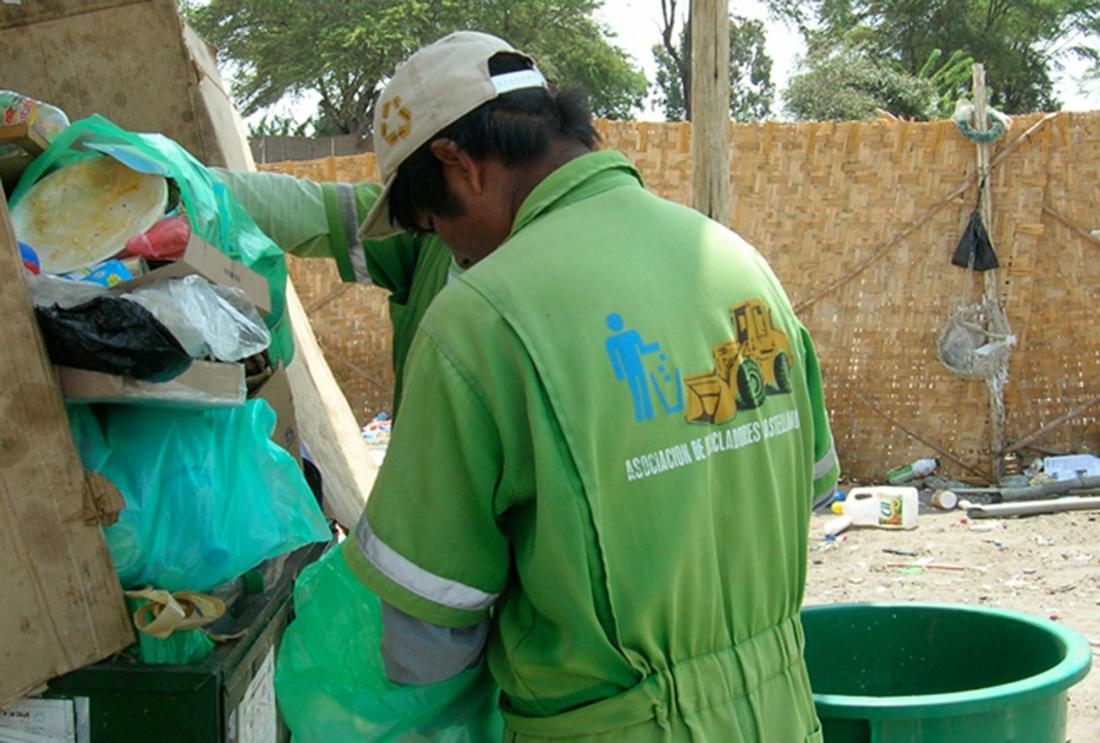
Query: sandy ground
[{"x": 1043, "y": 565}]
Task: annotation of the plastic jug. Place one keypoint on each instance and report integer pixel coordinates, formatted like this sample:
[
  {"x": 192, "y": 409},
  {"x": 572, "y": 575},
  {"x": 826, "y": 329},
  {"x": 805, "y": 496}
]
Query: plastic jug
[{"x": 882, "y": 506}]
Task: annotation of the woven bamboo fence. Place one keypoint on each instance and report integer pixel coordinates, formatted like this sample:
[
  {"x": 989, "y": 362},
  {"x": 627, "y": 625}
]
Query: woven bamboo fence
[{"x": 859, "y": 221}]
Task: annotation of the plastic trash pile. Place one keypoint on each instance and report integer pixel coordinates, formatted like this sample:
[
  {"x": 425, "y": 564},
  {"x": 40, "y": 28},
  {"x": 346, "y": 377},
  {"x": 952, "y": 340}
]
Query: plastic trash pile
[{"x": 161, "y": 305}]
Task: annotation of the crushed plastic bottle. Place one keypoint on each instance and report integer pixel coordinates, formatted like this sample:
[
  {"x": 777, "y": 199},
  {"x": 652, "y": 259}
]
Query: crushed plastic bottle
[{"x": 916, "y": 470}]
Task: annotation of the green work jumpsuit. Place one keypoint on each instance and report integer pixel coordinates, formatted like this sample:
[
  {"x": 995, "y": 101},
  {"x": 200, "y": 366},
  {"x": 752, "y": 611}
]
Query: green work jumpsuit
[{"x": 612, "y": 434}]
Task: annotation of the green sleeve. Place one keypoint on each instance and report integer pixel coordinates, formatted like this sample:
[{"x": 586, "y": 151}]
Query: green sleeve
[
  {"x": 321, "y": 220},
  {"x": 826, "y": 463},
  {"x": 392, "y": 261},
  {"x": 429, "y": 543},
  {"x": 288, "y": 210}
]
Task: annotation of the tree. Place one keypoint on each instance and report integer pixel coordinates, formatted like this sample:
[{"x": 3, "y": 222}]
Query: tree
[
  {"x": 751, "y": 87},
  {"x": 344, "y": 50},
  {"x": 1020, "y": 42},
  {"x": 276, "y": 126},
  {"x": 848, "y": 83},
  {"x": 950, "y": 80},
  {"x": 571, "y": 47}
]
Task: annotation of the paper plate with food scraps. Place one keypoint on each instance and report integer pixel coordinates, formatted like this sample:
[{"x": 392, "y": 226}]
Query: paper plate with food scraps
[{"x": 84, "y": 213}]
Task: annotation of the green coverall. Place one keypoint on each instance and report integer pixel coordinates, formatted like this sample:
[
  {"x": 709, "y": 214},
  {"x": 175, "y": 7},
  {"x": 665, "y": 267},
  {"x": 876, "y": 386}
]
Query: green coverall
[{"x": 612, "y": 436}]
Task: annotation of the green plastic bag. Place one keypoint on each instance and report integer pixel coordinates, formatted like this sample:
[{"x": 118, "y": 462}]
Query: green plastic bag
[
  {"x": 214, "y": 214},
  {"x": 331, "y": 685},
  {"x": 208, "y": 494},
  {"x": 182, "y": 647},
  {"x": 178, "y": 649}
]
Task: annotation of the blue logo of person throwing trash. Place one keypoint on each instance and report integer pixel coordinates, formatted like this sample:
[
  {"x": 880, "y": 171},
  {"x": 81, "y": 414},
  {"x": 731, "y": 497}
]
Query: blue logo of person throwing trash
[{"x": 626, "y": 348}]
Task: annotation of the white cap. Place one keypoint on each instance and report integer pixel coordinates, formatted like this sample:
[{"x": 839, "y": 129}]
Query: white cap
[{"x": 432, "y": 89}]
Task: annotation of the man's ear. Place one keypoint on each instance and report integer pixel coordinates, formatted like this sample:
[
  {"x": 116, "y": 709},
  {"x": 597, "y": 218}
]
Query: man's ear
[{"x": 458, "y": 165}]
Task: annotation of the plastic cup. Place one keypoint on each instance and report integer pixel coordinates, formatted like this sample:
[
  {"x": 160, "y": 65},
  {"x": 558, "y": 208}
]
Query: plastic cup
[{"x": 945, "y": 500}]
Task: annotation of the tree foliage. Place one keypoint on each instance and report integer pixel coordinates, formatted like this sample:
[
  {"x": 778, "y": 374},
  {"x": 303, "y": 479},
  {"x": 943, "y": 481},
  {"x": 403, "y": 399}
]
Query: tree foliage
[
  {"x": 847, "y": 83},
  {"x": 1021, "y": 42},
  {"x": 950, "y": 78},
  {"x": 344, "y": 50},
  {"x": 273, "y": 125},
  {"x": 751, "y": 87}
]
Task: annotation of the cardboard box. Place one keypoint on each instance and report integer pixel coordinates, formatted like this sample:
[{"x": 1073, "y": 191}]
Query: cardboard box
[
  {"x": 276, "y": 392},
  {"x": 27, "y": 143},
  {"x": 202, "y": 258},
  {"x": 61, "y": 604},
  {"x": 205, "y": 384},
  {"x": 134, "y": 61}
]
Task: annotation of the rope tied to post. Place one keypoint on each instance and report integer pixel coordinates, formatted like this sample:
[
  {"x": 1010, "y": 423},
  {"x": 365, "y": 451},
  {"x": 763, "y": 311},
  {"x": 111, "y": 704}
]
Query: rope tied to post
[{"x": 997, "y": 122}]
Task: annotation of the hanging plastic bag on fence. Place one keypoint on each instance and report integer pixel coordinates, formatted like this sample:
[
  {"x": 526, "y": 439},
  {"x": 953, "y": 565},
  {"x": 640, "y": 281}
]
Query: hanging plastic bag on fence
[
  {"x": 208, "y": 494},
  {"x": 214, "y": 214},
  {"x": 331, "y": 684},
  {"x": 974, "y": 250}
]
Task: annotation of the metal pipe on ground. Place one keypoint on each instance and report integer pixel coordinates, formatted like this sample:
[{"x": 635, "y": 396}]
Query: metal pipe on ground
[
  {"x": 1031, "y": 508},
  {"x": 1050, "y": 489}
]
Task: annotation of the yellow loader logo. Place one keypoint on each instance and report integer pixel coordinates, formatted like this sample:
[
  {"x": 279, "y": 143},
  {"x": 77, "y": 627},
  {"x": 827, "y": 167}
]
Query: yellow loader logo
[{"x": 754, "y": 364}]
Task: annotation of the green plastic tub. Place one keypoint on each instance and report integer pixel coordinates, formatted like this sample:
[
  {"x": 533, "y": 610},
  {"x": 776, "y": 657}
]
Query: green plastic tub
[{"x": 937, "y": 673}]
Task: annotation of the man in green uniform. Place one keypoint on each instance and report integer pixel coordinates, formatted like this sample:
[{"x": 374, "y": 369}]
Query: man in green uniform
[
  {"x": 612, "y": 431},
  {"x": 321, "y": 220}
]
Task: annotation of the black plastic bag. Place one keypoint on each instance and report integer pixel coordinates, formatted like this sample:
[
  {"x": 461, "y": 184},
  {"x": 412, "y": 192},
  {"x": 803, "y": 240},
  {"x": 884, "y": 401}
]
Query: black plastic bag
[
  {"x": 112, "y": 335},
  {"x": 975, "y": 246}
]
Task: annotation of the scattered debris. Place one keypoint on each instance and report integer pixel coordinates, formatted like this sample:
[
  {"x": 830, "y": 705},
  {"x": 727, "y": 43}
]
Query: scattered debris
[
  {"x": 836, "y": 526},
  {"x": 990, "y": 526},
  {"x": 902, "y": 553},
  {"x": 1072, "y": 467},
  {"x": 945, "y": 500},
  {"x": 914, "y": 471},
  {"x": 925, "y": 565}
]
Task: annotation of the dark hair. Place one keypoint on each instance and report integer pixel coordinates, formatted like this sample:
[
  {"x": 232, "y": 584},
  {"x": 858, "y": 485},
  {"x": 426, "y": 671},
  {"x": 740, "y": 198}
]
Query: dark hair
[{"x": 515, "y": 128}]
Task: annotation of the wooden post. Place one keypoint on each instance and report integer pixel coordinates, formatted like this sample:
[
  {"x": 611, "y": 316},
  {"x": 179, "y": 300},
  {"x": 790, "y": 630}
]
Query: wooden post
[
  {"x": 710, "y": 107},
  {"x": 989, "y": 278},
  {"x": 981, "y": 124}
]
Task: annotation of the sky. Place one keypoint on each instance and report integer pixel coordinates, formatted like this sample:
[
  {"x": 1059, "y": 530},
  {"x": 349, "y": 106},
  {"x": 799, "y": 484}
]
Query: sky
[
  {"x": 637, "y": 24},
  {"x": 637, "y": 27}
]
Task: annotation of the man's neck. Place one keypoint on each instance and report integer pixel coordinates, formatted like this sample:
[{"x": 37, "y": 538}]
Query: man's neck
[{"x": 527, "y": 178}]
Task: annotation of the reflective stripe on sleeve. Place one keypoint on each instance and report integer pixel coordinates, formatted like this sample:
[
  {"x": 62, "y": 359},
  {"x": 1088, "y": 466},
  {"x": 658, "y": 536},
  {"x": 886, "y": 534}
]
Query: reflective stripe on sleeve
[
  {"x": 346, "y": 195},
  {"x": 415, "y": 579},
  {"x": 824, "y": 465}
]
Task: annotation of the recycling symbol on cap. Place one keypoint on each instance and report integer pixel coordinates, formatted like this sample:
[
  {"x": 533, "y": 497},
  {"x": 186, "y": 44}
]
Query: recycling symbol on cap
[{"x": 404, "y": 121}]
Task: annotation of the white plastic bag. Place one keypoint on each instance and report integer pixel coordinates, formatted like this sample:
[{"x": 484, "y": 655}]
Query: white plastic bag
[{"x": 208, "y": 320}]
